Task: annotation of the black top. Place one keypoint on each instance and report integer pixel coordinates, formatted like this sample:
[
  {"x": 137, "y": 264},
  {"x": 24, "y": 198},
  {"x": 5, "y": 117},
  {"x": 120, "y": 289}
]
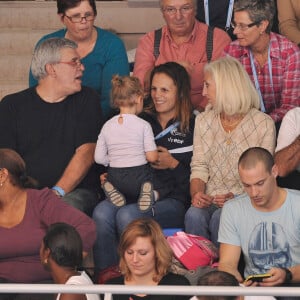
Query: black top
[
  {"x": 174, "y": 183},
  {"x": 218, "y": 10},
  {"x": 47, "y": 135},
  {"x": 169, "y": 279}
]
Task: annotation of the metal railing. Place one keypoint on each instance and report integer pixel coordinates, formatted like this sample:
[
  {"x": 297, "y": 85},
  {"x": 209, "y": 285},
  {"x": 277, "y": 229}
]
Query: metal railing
[{"x": 108, "y": 290}]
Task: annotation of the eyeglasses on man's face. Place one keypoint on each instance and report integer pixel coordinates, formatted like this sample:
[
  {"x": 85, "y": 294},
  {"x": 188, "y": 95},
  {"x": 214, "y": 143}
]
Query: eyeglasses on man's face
[
  {"x": 89, "y": 16},
  {"x": 75, "y": 62},
  {"x": 171, "y": 10},
  {"x": 243, "y": 27}
]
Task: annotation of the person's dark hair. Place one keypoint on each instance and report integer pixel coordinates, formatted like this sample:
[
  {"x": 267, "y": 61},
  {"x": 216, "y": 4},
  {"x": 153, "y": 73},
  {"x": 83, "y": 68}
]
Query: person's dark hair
[
  {"x": 258, "y": 10},
  {"x": 181, "y": 79},
  {"x": 64, "y": 5},
  {"x": 217, "y": 278},
  {"x": 252, "y": 156},
  {"x": 15, "y": 165},
  {"x": 65, "y": 245}
]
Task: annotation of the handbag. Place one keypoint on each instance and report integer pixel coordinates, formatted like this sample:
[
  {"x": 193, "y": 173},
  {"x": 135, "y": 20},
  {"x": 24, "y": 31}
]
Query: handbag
[
  {"x": 108, "y": 273},
  {"x": 193, "y": 251},
  {"x": 192, "y": 275}
]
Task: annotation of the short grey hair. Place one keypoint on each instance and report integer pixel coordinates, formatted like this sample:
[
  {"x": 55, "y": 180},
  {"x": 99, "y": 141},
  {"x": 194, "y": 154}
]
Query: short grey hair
[
  {"x": 48, "y": 52},
  {"x": 161, "y": 3},
  {"x": 258, "y": 10}
]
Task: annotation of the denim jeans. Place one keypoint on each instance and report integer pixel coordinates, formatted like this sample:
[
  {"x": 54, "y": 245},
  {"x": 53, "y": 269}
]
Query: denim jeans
[
  {"x": 83, "y": 199},
  {"x": 111, "y": 221},
  {"x": 204, "y": 222}
]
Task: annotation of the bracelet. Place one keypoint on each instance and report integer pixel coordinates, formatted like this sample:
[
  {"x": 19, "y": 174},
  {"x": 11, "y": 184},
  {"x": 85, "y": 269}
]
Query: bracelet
[
  {"x": 288, "y": 275},
  {"x": 59, "y": 190}
]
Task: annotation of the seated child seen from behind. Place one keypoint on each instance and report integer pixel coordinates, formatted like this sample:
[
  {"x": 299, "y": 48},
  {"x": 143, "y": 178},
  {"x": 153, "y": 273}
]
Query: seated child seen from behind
[{"x": 126, "y": 145}]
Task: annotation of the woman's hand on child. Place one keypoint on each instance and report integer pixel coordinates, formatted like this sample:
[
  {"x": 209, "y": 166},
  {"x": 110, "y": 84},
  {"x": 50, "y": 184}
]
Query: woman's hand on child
[{"x": 165, "y": 159}]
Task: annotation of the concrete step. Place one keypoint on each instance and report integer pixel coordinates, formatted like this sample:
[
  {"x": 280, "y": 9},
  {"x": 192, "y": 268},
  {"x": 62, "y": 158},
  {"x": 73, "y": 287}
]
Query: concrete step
[
  {"x": 116, "y": 15},
  {"x": 15, "y": 67},
  {"x": 29, "y": 14},
  {"x": 19, "y": 41},
  {"x": 11, "y": 86}
]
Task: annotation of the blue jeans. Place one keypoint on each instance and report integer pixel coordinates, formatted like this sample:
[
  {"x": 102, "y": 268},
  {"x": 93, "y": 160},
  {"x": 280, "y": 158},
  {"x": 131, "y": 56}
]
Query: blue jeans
[
  {"x": 83, "y": 199},
  {"x": 204, "y": 222},
  {"x": 111, "y": 221}
]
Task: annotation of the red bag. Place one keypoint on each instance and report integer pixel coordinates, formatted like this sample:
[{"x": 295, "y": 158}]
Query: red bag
[
  {"x": 193, "y": 251},
  {"x": 108, "y": 273}
]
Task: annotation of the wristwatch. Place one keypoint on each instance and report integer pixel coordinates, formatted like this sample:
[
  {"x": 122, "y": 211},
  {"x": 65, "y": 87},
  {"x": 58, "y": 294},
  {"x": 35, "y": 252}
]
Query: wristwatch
[{"x": 288, "y": 275}]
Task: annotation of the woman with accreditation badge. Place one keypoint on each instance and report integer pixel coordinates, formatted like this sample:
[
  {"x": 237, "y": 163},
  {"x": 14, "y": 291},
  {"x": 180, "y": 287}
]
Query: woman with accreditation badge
[
  {"x": 271, "y": 60},
  {"x": 170, "y": 116}
]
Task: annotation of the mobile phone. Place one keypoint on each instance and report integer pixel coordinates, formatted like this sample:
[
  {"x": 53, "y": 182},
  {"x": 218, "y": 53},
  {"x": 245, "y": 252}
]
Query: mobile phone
[{"x": 258, "y": 277}]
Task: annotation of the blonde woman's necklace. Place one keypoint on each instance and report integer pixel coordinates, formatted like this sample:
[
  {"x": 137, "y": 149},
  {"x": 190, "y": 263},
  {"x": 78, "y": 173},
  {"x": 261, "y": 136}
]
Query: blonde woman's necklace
[
  {"x": 228, "y": 137},
  {"x": 229, "y": 126}
]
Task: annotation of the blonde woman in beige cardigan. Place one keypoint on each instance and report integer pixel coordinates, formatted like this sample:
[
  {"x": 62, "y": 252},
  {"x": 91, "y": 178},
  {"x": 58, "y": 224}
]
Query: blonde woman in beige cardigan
[
  {"x": 230, "y": 124},
  {"x": 289, "y": 19}
]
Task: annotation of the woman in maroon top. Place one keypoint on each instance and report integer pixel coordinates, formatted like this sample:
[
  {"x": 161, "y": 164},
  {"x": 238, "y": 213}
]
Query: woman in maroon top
[{"x": 25, "y": 215}]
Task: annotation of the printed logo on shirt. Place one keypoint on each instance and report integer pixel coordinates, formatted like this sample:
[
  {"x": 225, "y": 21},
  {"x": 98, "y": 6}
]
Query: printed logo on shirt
[
  {"x": 177, "y": 141},
  {"x": 268, "y": 247},
  {"x": 177, "y": 137},
  {"x": 175, "y": 132}
]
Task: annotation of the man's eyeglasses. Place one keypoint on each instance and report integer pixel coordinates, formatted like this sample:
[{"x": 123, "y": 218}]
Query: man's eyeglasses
[
  {"x": 75, "y": 62},
  {"x": 243, "y": 27},
  {"x": 78, "y": 18},
  {"x": 171, "y": 11}
]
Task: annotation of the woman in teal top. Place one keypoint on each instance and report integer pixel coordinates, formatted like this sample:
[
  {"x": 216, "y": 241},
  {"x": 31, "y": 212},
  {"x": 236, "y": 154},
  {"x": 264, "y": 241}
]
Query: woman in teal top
[{"x": 102, "y": 53}]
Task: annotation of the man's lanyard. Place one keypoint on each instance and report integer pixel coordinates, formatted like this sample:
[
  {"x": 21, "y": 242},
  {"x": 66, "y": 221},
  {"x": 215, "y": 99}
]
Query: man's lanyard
[
  {"x": 257, "y": 86},
  {"x": 229, "y": 13},
  {"x": 167, "y": 130}
]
